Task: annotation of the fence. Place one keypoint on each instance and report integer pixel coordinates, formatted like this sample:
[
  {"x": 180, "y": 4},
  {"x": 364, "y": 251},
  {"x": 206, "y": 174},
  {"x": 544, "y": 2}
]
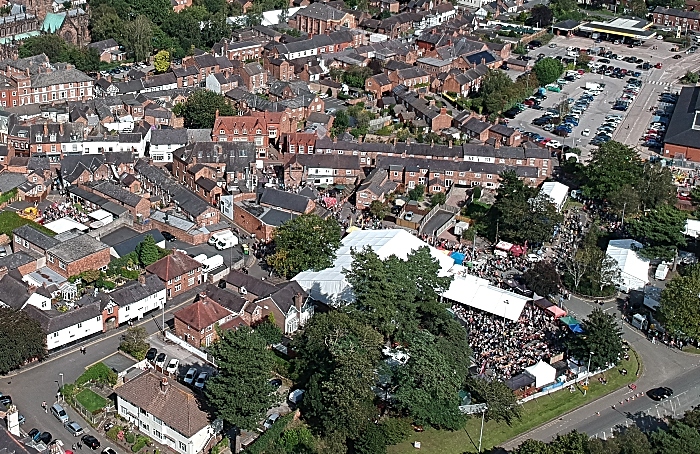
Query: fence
[{"x": 190, "y": 348}]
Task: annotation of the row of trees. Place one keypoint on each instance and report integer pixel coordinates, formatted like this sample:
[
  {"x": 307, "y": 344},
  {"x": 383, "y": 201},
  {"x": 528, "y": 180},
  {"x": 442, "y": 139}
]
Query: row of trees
[{"x": 59, "y": 51}]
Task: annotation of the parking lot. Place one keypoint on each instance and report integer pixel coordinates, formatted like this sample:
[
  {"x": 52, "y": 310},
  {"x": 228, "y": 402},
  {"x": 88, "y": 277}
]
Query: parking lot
[{"x": 637, "y": 118}]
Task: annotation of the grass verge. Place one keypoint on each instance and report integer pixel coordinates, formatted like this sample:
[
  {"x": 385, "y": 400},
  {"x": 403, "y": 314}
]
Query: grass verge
[
  {"x": 534, "y": 414},
  {"x": 90, "y": 400},
  {"x": 691, "y": 349}
]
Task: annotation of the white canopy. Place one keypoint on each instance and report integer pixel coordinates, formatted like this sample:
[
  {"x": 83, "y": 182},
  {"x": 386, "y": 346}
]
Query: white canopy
[
  {"x": 633, "y": 268},
  {"x": 65, "y": 225},
  {"x": 476, "y": 292},
  {"x": 542, "y": 372},
  {"x": 330, "y": 286},
  {"x": 557, "y": 192},
  {"x": 692, "y": 228}
]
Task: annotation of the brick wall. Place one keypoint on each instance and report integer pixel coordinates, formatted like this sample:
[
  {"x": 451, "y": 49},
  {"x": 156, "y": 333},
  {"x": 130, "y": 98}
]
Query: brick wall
[
  {"x": 252, "y": 224},
  {"x": 177, "y": 287},
  {"x": 95, "y": 261}
]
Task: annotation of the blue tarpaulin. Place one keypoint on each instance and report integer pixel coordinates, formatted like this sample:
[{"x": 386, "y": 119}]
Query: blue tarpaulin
[{"x": 458, "y": 257}]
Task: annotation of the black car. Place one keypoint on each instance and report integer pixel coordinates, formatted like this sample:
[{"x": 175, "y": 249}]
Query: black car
[
  {"x": 5, "y": 400},
  {"x": 168, "y": 236},
  {"x": 34, "y": 434},
  {"x": 660, "y": 393},
  {"x": 276, "y": 383},
  {"x": 151, "y": 354},
  {"x": 90, "y": 441},
  {"x": 45, "y": 438}
]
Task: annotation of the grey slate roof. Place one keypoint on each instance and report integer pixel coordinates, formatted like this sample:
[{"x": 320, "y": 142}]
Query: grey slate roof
[
  {"x": 13, "y": 293},
  {"x": 52, "y": 321},
  {"x": 684, "y": 126},
  {"x": 35, "y": 237},
  {"x": 135, "y": 291},
  {"x": 62, "y": 75},
  {"x": 284, "y": 200},
  {"x": 11, "y": 180},
  {"x": 253, "y": 285},
  {"x": 116, "y": 192},
  {"x": 320, "y": 11},
  {"x": 77, "y": 248},
  {"x": 129, "y": 245},
  {"x": 169, "y": 137}
]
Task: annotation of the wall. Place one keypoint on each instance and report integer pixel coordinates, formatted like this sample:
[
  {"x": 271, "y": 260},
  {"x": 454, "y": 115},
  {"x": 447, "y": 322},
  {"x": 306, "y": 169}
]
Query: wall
[
  {"x": 138, "y": 309},
  {"x": 74, "y": 333},
  {"x": 94, "y": 261}
]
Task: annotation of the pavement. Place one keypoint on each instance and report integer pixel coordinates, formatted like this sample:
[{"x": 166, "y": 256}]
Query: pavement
[
  {"x": 663, "y": 366},
  {"x": 637, "y": 117},
  {"x": 39, "y": 382}
]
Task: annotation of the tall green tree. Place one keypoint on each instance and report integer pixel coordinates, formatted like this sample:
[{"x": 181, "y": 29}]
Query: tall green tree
[
  {"x": 495, "y": 91},
  {"x": 147, "y": 251},
  {"x": 660, "y": 231},
  {"x": 21, "y": 340},
  {"x": 543, "y": 278},
  {"x": 52, "y": 45},
  {"x": 678, "y": 439},
  {"x": 105, "y": 23},
  {"x": 134, "y": 342},
  {"x": 240, "y": 393},
  {"x": 501, "y": 403},
  {"x": 540, "y": 16},
  {"x": 306, "y": 242},
  {"x": 548, "y": 70},
  {"x": 602, "y": 337},
  {"x": 429, "y": 384},
  {"x": 138, "y": 38},
  {"x": 680, "y": 309},
  {"x": 612, "y": 166},
  {"x": 199, "y": 111},
  {"x": 656, "y": 186}
]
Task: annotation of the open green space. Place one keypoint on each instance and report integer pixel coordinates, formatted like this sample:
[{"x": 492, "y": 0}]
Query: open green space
[
  {"x": 9, "y": 220},
  {"x": 91, "y": 400},
  {"x": 535, "y": 413}
]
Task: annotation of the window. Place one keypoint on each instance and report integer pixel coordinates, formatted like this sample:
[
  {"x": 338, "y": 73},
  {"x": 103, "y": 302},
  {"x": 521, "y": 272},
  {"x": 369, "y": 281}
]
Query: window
[
  {"x": 183, "y": 447},
  {"x": 348, "y": 172},
  {"x": 436, "y": 175},
  {"x": 110, "y": 310},
  {"x": 449, "y": 173},
  {"x": 61, "y": 265},
  {"x": 50, "y": 257},
  {"x": 412, "y": 174},
  {"x": 301, "y": 148},
  {"x": 477, "y": 175},
  {"x": 489, "y": 177},
  {"x": 178, "y": 287},
  {"x": 177, "y": 278},
  {"x": 190, "y": 281},
  {"x": 190, "y": 272},
  {"x": 144, "y": 425},
  {"x": 80, "y": 325},
  {"x": 157, "y": 434}
]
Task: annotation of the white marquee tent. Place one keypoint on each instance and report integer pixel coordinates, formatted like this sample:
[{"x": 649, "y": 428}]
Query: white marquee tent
[
  {"x": 634, "y": 269},
  {"x": 557, "y": 192},
  {"x": 330, "y": 286},
  {"x": 543, "y": 373},
  {"x": 692, "y": 228}
]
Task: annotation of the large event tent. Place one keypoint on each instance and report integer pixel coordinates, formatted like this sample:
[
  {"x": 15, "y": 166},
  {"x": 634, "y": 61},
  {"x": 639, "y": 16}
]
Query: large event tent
[
  {"x": 542, "y": 372},
  {"x": 330, "y": 286},
  {"x": 557, "y": 192},
  {"x": 634, "y": 269}
]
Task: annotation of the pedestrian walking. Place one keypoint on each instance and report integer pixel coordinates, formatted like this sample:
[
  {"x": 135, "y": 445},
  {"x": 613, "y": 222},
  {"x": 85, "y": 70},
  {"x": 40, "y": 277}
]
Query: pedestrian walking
[
  {"x": 80, "y": 445},
  {"x": 43, "y": 405}
]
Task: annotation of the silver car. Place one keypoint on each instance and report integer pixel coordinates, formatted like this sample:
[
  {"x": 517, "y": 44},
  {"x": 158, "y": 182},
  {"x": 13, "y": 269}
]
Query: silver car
[
  {"x": 190, "y": 375},
  {"x": 74, "y": 428}
]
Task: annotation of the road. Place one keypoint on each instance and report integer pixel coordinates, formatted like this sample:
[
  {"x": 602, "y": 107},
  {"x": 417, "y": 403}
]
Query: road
[
  {"x": 663, "y": 366},
  {"x": 40, "y": 382}
]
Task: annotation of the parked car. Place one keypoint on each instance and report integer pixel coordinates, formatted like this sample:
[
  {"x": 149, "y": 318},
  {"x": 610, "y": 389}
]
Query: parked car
[
  {"x": 168, "y": 236},
  {"x": 90, "y": 441},
  {"x": 660, "y": 393},
  {"x": 199, "y": 383},
  {"x": 190, "y": 375},
  {"x": 151, "y": 354},
  {"x": 271, "y": 420},
  {"x": 5, "y": 400},
  {"x": 45, "y": 438},
  {"x": 34, "y": 434},
  {"x": 74, "y": 428},
  {"x": 586, "y": 132},
  {"x": 173, "y": 366},
  {"x": 160, "y": 360}
]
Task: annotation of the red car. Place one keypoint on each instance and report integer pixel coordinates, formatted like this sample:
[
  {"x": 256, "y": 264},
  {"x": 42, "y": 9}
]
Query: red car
[{"x": 658, "y": 65}]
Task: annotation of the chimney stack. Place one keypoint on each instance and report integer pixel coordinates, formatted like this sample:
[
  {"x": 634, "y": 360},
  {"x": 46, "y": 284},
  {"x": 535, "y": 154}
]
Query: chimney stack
[
  {"x": 142, "y": 279},
  {"x": 202, "y": 295},
  {"x": 298, "y": 301},
  {"x": 164, "y": 385}
]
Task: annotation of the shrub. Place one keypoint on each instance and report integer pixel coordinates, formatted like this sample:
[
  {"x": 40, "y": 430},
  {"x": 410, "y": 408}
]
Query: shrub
[
  {"x": 98, "y": 373},
  {"x": 396, "y": 430},
  {"x": 113, "y": 432},
  {"x": 138, "y": 445},
  {"x": 130, "y": 438}
]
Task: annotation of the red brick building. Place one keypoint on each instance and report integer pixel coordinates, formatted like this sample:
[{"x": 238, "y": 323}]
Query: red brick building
[
  {"x": 73, "y": 256},
  {"x": 317, "y": 18},
  {"x": 178, "y": 271},
  {"x": 197, "y": 323}
]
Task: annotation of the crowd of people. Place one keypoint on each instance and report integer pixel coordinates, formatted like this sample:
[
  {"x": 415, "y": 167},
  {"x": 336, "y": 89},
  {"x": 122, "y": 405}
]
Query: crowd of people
[
  {"x": 67, "y": 209},
  {"x": 505, "y": 348}
]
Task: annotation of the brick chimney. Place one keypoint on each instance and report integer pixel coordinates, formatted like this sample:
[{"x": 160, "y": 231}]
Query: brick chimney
[
  {"x": 3, "y": 271},
  {"x": 443, "y": 110},
  {"x": 164, "y": 385},
  {"x": 142, "y": 279}
]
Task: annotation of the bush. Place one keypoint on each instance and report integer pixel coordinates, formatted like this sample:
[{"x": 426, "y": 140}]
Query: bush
[
  {"x": 98, "y": 373},
  {"x": 396, "y": 430},
  {"x": 113, "y": 432},
  {"x": 142, "y": 441},
  {"x": 130, "y": 438}
]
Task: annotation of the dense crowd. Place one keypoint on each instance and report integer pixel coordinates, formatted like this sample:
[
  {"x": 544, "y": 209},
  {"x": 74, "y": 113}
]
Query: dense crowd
[
  {"x": 62, "y": 210},
  {"x": 506, "y": 348}
]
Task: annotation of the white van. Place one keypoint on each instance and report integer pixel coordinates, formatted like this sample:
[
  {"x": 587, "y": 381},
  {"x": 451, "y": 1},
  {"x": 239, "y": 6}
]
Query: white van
[
  {"x": 226, "y": 242},
  {"x": 218, "y": 235}
]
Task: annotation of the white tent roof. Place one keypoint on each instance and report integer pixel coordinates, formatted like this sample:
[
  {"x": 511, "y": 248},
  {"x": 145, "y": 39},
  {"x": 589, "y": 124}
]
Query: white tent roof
[
  {"x": 542, "y": 372},
  {"x": 633, "y": 268},
  {"x": 476, "y": 292},
  {"x": 556, "y": 191},
  {"x": 692, "y": 228},
  {"x": 331, "y": 287},
  {"x": 65, "y": 225}
]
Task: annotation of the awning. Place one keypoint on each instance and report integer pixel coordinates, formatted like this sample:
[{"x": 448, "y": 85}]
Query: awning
[
  {"x": 573, "y": 324},
  {"x": 504, "y": 246},
  {"x": 458, "y": 257},
  {"x": 543, "y": 303},
  {"x": 556, "y": 311},
  {"x": 340, "y": 186}
]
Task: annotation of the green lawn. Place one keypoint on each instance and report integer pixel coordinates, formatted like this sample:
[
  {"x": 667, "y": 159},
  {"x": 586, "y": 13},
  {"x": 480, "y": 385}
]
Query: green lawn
[
  {"x": 691, "y": 349},
  {"x": 90, "y": 400},
  {"x": 534, "y": 414},
  {"x": 9, "y": 220}
]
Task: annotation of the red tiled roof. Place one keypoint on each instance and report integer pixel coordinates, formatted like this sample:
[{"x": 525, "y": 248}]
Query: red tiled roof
[
  {"x": 202, "y": 313},
  {"x": 173, "y": 265}
]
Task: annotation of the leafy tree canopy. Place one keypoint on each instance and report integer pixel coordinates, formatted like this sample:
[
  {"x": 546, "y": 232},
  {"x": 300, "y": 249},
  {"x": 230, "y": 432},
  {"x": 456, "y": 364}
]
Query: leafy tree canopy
[
  {"x": 134, "y": 342},
  {"x": 543, "y": 278},
  {"x": 147, "y": 251},
  {"x": 548, "y": 70},
  {"x": 59, "y": 51},
  {"x": 240, "y": 393},
  {"x": 602, "y": 337},
  {"x": 21, "y": 340},
  {"x": 199, "y": 111},
  {"x": 306, "y": 242},
  {"x": 680, "y": 311},
  {"x": 660, "y": 231}
]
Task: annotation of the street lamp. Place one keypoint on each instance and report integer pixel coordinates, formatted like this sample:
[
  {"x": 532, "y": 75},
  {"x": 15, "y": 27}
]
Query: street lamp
[
  {"x": 61, "y": 375},
  {"x": 481, "y": 433},
  {"x": 588, "y": 373}
]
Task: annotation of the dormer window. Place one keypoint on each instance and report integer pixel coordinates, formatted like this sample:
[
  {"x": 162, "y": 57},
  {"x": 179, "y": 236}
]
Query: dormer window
[
  {"x": 38, "y": 137},
  {"x": 235, "y": 131},
  {"x": 245, "y": 131},
  {"x": 52, "y": 137},
  {"x": 259, "y": 131}
]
